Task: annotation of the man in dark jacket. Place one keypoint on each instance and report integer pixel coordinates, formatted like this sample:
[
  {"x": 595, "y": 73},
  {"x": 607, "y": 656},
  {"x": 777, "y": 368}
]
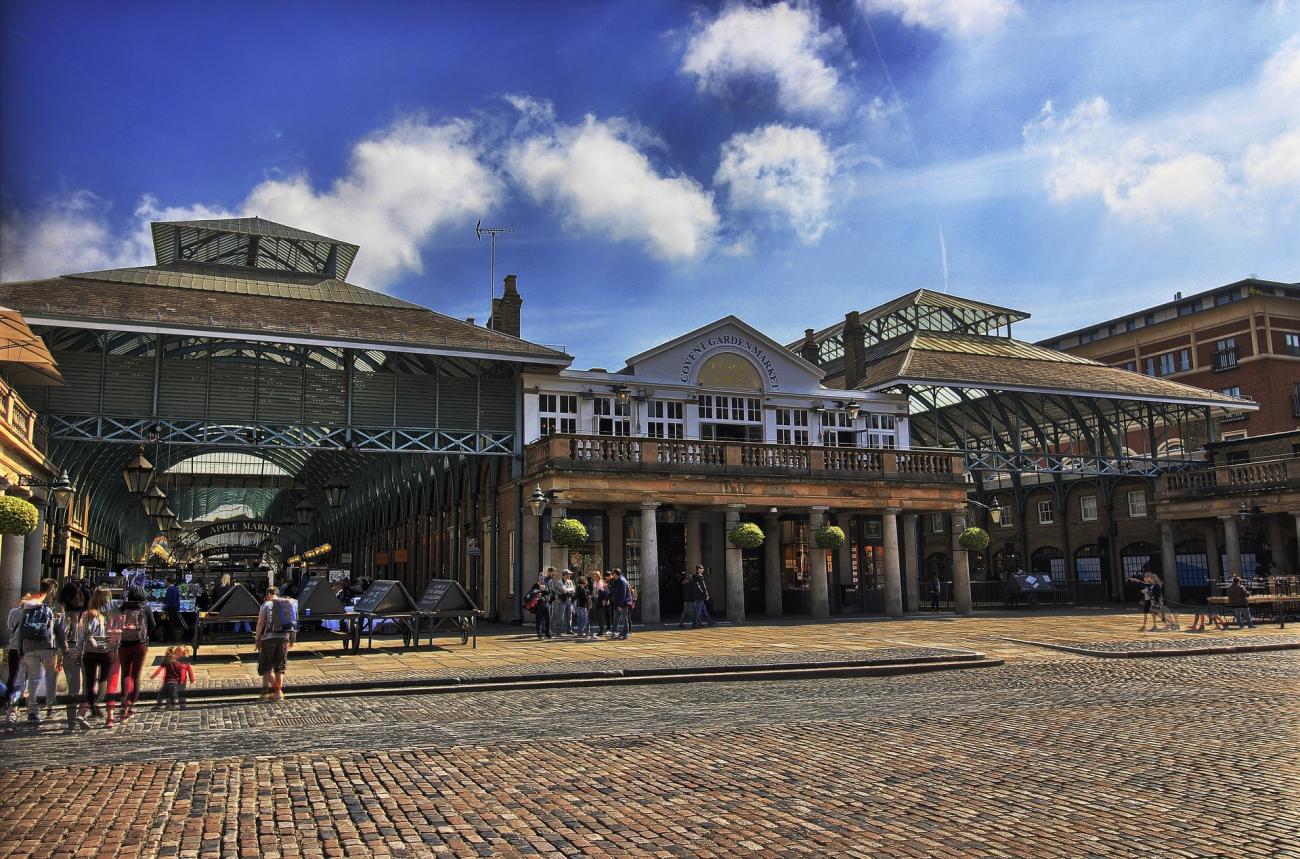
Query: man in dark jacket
[
  {"x": 1239, "y": 602},
  {"x": 620, "y": 595},
  {"x": 701, "y": 594}
]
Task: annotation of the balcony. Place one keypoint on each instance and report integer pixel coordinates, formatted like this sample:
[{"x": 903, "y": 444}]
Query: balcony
[
  {"x": 19, "y": 418},
  {"x": 1269, "y": 474},
  {"x": 607, "y": 453},
  {"x": 1223, "y": 359}
]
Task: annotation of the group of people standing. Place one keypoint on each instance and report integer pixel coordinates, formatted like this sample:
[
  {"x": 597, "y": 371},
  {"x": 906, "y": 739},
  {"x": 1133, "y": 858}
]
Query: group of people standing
[
  {"x": 99, "y": 647},
  {"x": 588, "y": 607}
]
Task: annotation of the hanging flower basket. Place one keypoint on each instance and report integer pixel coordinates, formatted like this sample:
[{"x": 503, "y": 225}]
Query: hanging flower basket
[
  {"x": 569, "y": 533},
  {"x": 829, "y": 536},
  {"x": 746, "y": 535},
  {"x": 18, "y": 517},
  {"x": 974, "y": 539}
]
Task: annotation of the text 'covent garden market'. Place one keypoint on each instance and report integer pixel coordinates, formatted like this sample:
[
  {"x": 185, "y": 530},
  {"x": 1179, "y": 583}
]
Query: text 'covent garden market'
[{"x": 282, "y": 410}]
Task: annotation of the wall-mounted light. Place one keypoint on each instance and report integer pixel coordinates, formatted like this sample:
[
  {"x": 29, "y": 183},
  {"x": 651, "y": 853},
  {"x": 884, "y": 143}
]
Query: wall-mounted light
[
  {"x": 538, "y": 500},
  {"x": 622, "y": 393}
]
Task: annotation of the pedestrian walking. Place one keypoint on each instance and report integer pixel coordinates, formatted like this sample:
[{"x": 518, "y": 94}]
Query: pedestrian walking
[
  {"x": 74, "y": 597},
  {"x": 173, "y": 626},
  {"x": 277, "y": 630},
  {"x": 1239, "y": 602},
  {"x": 936, "y": 590},
  {"x": 41, "y": 643},
  {"x": 606, "y": 604},
  {"x": 688, "y": 599},
  {"x": 599, "y": 603},
  {"x": 176, "y": 673},
  {"x": 569, "y": 597},
  {"x": 700, "y": 593},
  {"x": 582, "y": 608},
  {"x": 621, "y": 596},
  {"x": 131, "y": 628},
  {"x": 72, "y": 666},
  {"x": 537, "y": 600},
  {"x": 97, "y": 656},
  {"x": 13, "y": 658}
]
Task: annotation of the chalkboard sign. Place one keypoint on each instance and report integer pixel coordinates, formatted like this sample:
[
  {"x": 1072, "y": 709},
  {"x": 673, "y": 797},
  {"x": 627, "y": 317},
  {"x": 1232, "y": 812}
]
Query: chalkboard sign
[
  {"x": 236, "y": 602},
  {"x": 385, "y": 596},
  {"x": 317, "y": 598},
  {"x": 443, "y": 596}
]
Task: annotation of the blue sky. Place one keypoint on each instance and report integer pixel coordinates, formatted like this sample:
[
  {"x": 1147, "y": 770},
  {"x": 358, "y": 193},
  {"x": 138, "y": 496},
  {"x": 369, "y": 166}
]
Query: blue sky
[{"x": 664, "y": 163}]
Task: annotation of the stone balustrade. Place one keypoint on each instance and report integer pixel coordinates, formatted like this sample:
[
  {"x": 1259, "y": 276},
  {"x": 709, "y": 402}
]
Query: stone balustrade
[{"x": 1241, "y": 477}]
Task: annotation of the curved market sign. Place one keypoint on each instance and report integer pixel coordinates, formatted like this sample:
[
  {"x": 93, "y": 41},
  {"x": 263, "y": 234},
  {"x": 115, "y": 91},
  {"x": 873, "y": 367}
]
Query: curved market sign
[
  {"x": 720, "y": 341},
  {"x": 244, "y": 527}
]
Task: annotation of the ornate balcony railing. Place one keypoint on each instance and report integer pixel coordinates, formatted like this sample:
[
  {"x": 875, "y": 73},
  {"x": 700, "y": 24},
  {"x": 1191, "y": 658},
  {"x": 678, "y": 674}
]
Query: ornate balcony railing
[
  {"x": 19, "y": 418},
  {"x": 1243, "y": 477},
  {"x": 587, "y": 452}
]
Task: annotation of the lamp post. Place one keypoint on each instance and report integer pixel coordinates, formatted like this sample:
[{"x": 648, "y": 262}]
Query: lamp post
[{"x": 60, "y": 488}]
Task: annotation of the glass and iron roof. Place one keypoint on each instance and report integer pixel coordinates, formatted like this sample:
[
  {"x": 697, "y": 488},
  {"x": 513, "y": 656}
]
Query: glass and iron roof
[{"x": 252, "y": 243}]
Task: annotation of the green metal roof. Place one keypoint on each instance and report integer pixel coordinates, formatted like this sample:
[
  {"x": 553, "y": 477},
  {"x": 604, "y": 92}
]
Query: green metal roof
[{"x": 252, "y": 243}]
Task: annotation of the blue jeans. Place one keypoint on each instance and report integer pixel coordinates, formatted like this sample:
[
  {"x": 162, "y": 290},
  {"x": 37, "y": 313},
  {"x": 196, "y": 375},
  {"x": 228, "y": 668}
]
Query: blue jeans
[
  {"x": 702, "y": 614},
  {"x": 584, "y": 624},
  {"x": 542, "y": 620},
  {"x": 622, "y": 622},
  {"x": 1242, "y": 614}
]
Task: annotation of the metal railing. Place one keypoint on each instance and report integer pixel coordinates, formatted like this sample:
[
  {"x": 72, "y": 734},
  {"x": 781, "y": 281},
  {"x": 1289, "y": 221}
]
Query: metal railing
[
  {"x": 587, "y": 451},
  {"x": 1223, "y": 359}
]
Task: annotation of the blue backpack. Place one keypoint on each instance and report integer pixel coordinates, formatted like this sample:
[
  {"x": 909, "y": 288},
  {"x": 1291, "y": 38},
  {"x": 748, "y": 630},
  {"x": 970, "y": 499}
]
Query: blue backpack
[
  {"x": 37, "y": 627},
  {"x": 284, "y": 615}
]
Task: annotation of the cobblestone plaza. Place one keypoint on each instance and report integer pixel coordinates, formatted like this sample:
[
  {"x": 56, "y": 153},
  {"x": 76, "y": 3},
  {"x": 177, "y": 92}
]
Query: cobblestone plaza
[{"x": 1049, "y": 754}]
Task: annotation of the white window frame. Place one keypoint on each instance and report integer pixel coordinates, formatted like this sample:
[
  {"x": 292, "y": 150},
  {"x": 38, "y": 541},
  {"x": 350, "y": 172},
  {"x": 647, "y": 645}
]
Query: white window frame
[
  {"x": 1046, "y": 512},
  {"x": 610, "y": 417},
  {"x": 937, "y": 525},
  {"x": 665, "y": 419},
  {"x": 882, "y": 431},
  {"x": 1138, "y": 511},
  {"x": 1088, "y": 508},
  {"x": 559, "y": 409},
  {"x": 792, "y": 426},
  {"x": 837, "y": 430},
  {"x": 1008, "y": 517}
]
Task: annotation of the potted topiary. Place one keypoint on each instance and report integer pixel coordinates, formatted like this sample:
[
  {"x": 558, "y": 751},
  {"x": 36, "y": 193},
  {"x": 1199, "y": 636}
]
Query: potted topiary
[
  {"x": 18, "y": 517},
  {"x": 974, "y": 539},
  {"x": 570, "y": 533},
  {"x": 746, "y": 535},
  {"x": 829, "y": 537}
]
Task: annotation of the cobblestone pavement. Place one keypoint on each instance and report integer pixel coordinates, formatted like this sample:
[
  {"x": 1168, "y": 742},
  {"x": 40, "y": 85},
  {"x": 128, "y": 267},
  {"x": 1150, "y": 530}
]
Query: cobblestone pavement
[{"x": 1196, "y": 756}]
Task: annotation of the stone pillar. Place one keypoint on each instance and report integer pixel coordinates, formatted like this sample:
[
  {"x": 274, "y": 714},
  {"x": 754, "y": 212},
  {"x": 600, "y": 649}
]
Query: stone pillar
[
  {"x": 1168, "y": 565},
  {"x": 912, "y": 559},
  {"x": 818, "y": 592},
  {"x": 1231, "y": 546},
  {"x": 11, "y": 570},
  {"x": 614, "y": 533},
  {"x": 694, "y": 539},
  {"x": 649, "y": 563},
  {"x": 893, "y": 574},
  {"x": 735, "y": 570},
  {"x": 960, "y": 568},
  {"x": 1213, "y": 561},
  {"x": 772, "y": 564},
  {"x": 32, "y": 550},
  {"x": 1276, "y": 543},
  {"x": 556, "y": 555},
  {"x": 530, "y": 563}
]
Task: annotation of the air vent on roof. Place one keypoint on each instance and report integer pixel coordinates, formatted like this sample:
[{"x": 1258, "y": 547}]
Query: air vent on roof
[{"x": 597, "y": 370}]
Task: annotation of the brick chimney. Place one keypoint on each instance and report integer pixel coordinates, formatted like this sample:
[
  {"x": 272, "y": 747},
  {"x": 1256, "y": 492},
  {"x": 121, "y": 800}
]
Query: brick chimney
[
  {"x": 855, "y": 363},
  {"x": 506, "y": 310},
  {"x": 808, "y": 349}
]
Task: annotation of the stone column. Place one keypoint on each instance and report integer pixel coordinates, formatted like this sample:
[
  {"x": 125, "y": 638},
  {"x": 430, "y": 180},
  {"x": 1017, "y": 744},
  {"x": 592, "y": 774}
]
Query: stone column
[
  {"x": 912, "y": 559},
  {"x": 11, "y": 570},
  {"x": 1214, "y": 564},
  {"x": 556, "y": 555},
  {"x": 1169, "y": 568},
  {"x": 614, "y": 535},
  {"x": 1277, "y": 543},
  {"x": 893, "y": 567},
  {"x": 694, "y": 553},
  {"x": 960, "y": 568},
  {"x": 772, "y": 564},
  {"x": 1231, "y": 546},
  {"x": 32, "y": 550},
  {"x": 818, "y": 592},
  {"x": 649, "y": 563},
  {"x": 735, "y": 570}
]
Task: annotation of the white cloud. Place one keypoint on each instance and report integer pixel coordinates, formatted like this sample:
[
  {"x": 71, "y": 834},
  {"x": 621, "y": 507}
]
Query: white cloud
[
  {"x": 403, "y": 183},
  {"x": 601, "y": 182},
  {"x": 783, "y": 43},
  {"x": 781, "y": 169},
  {"x": 1233, "y": 151},
  {"x": 960, "y": 18}
]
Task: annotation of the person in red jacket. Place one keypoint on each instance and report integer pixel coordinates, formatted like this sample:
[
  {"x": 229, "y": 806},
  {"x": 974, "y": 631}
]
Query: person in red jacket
[{"x": 176, "y": 674}]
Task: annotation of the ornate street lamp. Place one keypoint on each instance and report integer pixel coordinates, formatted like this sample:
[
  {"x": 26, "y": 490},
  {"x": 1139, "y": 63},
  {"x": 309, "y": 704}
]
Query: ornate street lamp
[
  {"x": 335, "y": 491},
  {"x": 154, "y": 500},
  {"x": 995, "y": 509},
  {"x": 304, "y": 512},
  {"x": 138, "y": 473},
  {"x": 622, "y": 394},
  {"x": 537, "y": 501},
  {"x": 60, "y": 489},
  {"x": 165, "y": 519}
]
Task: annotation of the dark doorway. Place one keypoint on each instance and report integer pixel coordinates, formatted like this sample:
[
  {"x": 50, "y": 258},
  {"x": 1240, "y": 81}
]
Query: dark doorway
[
  {"x": 755, "y": 580},
  {"x": 672, "y": 562}
]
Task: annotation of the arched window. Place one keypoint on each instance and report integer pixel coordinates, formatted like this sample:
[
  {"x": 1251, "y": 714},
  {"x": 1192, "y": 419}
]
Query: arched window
[
  {"x": 1138, "y": 558},
  {"x": 1087, "y": 563},
  {"x": 1049, "y": 560},
  {"x": 730, "y": 371},
  {"x": 1192, "y": 563}
]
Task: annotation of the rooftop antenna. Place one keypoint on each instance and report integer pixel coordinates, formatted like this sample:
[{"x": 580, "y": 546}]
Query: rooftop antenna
[{"x": 479, "y": 230}]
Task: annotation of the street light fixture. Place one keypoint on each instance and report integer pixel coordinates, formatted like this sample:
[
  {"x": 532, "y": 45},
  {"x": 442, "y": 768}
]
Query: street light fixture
[
  {"x": 622, "y": 393},
  {"x": 852, "y": 408},
  {"x": 995, "y": 509},
  {"x": 304, "y": 512},
  {"x": 538, "y": 500},
  {"x": 335, "y": 491},
  {"x": 165, "y": 519},
  {"x": 138, "y": 473},
  {"x": 154, "y": 500},
  {"x": 60, "y": 488}
]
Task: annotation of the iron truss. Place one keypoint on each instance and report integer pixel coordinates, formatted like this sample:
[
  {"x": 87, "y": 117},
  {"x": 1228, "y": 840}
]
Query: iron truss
[
  {"x": 994, "y": 461},
  {"x": 243, "y": 435}
]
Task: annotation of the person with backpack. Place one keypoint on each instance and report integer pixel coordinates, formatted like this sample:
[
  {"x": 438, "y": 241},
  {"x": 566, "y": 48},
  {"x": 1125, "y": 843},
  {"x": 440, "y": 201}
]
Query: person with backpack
[
  {"x": 97, "y": 656},
  {"x": 131, "y": 629},
  {"x": 74, "y": 596},
  {"x": 41, "y": 642},
  {"x": 277, "y": 630},
  {"x": 536, "y": 601}
]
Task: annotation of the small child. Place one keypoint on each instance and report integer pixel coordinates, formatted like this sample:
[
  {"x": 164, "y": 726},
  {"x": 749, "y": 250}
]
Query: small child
[{"x": 176, "y": 673}]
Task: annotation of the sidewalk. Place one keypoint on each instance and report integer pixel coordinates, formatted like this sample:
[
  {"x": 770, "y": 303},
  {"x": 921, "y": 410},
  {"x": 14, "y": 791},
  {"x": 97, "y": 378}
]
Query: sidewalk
[{"x": 506, "y": 652}]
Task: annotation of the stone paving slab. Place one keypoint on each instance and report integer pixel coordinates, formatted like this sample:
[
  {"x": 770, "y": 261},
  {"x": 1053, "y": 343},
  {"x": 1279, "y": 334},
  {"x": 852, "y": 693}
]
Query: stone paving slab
[{"x": 1169, "y": 645}]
